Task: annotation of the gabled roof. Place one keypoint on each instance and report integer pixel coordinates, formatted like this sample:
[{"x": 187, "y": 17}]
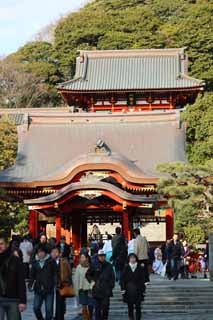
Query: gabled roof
[
  {"x": 142, "y": 69},
  {"x": 56, "y": 145}
]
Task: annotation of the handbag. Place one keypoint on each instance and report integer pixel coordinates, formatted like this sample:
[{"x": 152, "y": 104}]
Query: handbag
[{"x": 67, "y": 291}]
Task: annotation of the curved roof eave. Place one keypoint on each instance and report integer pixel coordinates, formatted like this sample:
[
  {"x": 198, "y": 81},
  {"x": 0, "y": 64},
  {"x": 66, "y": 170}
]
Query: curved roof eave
[{"x": 78, "y": 186}]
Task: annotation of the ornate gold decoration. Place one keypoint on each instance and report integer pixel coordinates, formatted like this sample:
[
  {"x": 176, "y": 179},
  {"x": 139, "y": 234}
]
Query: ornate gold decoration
[{"x": 90, "y": 194}]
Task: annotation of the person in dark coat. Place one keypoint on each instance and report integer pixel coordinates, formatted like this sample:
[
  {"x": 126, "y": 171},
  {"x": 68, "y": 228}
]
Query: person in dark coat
[
  {"x": 42, "y": 241},
  {"x": 64, "y": 247},
  {"x": 119, "y": 253},
  {"x": 101, "y": 275},
  {"x": 133, "y": 286},
  {"x": 12, "y": 284},
  {"x": 63, "y": 278},
  {"x": 42, "y": 281},
  {"x": 175, "y": 254}
]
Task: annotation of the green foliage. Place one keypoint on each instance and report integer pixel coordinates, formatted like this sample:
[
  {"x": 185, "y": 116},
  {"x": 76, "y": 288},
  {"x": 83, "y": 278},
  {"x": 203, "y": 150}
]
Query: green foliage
[
  {"x": 26, "y": 85},
  {"x": 28, "y": 77},
  {"x": 119, "y": 24},
  {"x": 194, "y": 234},
  {"x": 8, "y": 144},
  {"x": 199, "y": 120},
  {"x": 13, "y": 215},
  {"x": 114, "y": 24},
  {"x": 189, "y": 191},
  {"x": 37, "y": 57}
]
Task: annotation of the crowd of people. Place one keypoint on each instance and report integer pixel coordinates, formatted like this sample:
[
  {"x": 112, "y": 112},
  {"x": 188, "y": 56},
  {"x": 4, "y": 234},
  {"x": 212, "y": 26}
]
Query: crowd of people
[
  {"x": 176, "y": 258},
  {"x": 47, "y": 269}
]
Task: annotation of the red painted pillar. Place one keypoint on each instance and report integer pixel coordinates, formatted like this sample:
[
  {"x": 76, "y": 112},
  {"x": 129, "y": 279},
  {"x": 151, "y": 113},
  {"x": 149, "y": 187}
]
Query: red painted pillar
[
  {"x": 33, "y": 223},
  {"x": 76, "y": 231},
  {"x": 169, "y": 223},
  {"x": 58, "y": 226},
  {"x": 83, "y": 238},
  {"x": 125, "y": 223}
]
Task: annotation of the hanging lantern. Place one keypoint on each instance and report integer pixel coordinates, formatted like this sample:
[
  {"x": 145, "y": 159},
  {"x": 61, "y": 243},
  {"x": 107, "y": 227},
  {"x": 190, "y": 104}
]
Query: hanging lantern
[
  {"x": 56, "y": 205},
  {"x": 131, "y": 100}
]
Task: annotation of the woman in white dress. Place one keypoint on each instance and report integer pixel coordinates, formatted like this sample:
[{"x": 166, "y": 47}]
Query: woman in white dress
[{"x": 158, "y": 266}]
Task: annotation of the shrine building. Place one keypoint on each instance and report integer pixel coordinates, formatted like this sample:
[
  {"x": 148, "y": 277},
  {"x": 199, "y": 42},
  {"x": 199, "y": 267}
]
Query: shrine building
[{"x": 94, "y": 162}]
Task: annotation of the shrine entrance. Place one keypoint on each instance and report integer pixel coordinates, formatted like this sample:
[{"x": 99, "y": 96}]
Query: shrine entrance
[{"x": 75, "y": 214}]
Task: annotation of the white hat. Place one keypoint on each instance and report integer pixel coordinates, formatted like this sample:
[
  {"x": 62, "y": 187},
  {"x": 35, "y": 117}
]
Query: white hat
[{"x": 101, "y": 252}]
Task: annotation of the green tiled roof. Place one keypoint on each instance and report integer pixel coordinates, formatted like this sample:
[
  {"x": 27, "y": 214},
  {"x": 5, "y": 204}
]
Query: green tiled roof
[{"x": 131, "y": 69}]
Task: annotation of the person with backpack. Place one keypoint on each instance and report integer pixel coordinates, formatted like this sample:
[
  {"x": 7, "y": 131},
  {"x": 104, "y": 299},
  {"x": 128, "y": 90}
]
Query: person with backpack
[
  {"x": 12, "y": 283},
  {"x": 42, "y": 281}
]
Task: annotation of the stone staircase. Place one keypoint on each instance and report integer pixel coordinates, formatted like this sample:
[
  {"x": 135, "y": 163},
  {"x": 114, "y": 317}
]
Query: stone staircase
[
  {"x": 164, "y": 300},
  {"x": 169, "y": 300}
]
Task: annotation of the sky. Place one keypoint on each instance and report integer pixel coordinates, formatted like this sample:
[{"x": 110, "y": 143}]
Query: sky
[{"x": 20, "y": 20}]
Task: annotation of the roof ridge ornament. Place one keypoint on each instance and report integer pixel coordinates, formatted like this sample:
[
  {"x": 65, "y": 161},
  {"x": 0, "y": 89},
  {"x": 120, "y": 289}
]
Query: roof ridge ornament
[{"x": 102, "y": 148}]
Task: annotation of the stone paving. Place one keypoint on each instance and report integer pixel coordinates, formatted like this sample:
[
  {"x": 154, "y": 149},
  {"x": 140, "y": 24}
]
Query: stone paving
[
  {"x": 71, "y": 314},
  {"x": 159, "y": 290}
]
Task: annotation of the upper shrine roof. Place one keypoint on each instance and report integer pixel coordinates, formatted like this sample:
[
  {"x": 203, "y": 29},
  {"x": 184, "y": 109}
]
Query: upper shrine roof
[
  {"x": 141, "y": 69},
  {"x": 54, "y": 146}
]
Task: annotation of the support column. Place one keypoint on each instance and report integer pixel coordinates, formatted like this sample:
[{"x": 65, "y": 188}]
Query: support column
[
  {"x": 169, "y": 223},
  {"x": 76, "y": 231},
  {"x": 92, "y": 102},
  {"x": 58, "y": 226},
  {"x": 33, "y": 223},
  {"x": 125, "y": 223},
  {"x": 83, "y": 238},
  {"x": 112, "y": 101}
]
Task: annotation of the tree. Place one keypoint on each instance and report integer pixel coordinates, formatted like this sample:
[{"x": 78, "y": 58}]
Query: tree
[
  {"x": 8, "y": 143},
  {"x": 13, "y": 215},
  {"x": 199, "y": 120},
  {"x": 189, "y": 190},
  {"x": 117, "y": 24},
  {"x": 194, "y": 234},
  {"x": 22, "y": 88}
]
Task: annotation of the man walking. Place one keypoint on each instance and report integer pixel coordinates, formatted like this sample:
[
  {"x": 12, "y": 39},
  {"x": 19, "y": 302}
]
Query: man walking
[
  {"x": 101, "y": 274},
  {"x": 141, "y": 249},
  {"x": 42, "y": 280},
  {"x": 63, "y": 278},
  {"x": 119, "y": 252},
  {"x": 26, "y": 248},
  {"x": 12, "y": 284},
  {"x": 64, "y": 247},
  {"x": 175, "y": 253},
  {"x": 42, "y": 241}
]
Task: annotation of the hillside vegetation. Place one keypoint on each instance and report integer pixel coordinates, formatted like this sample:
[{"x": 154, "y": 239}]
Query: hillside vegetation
[
  {"x": 29, "y": 75},
  {"x": 28, "y": 78}
]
